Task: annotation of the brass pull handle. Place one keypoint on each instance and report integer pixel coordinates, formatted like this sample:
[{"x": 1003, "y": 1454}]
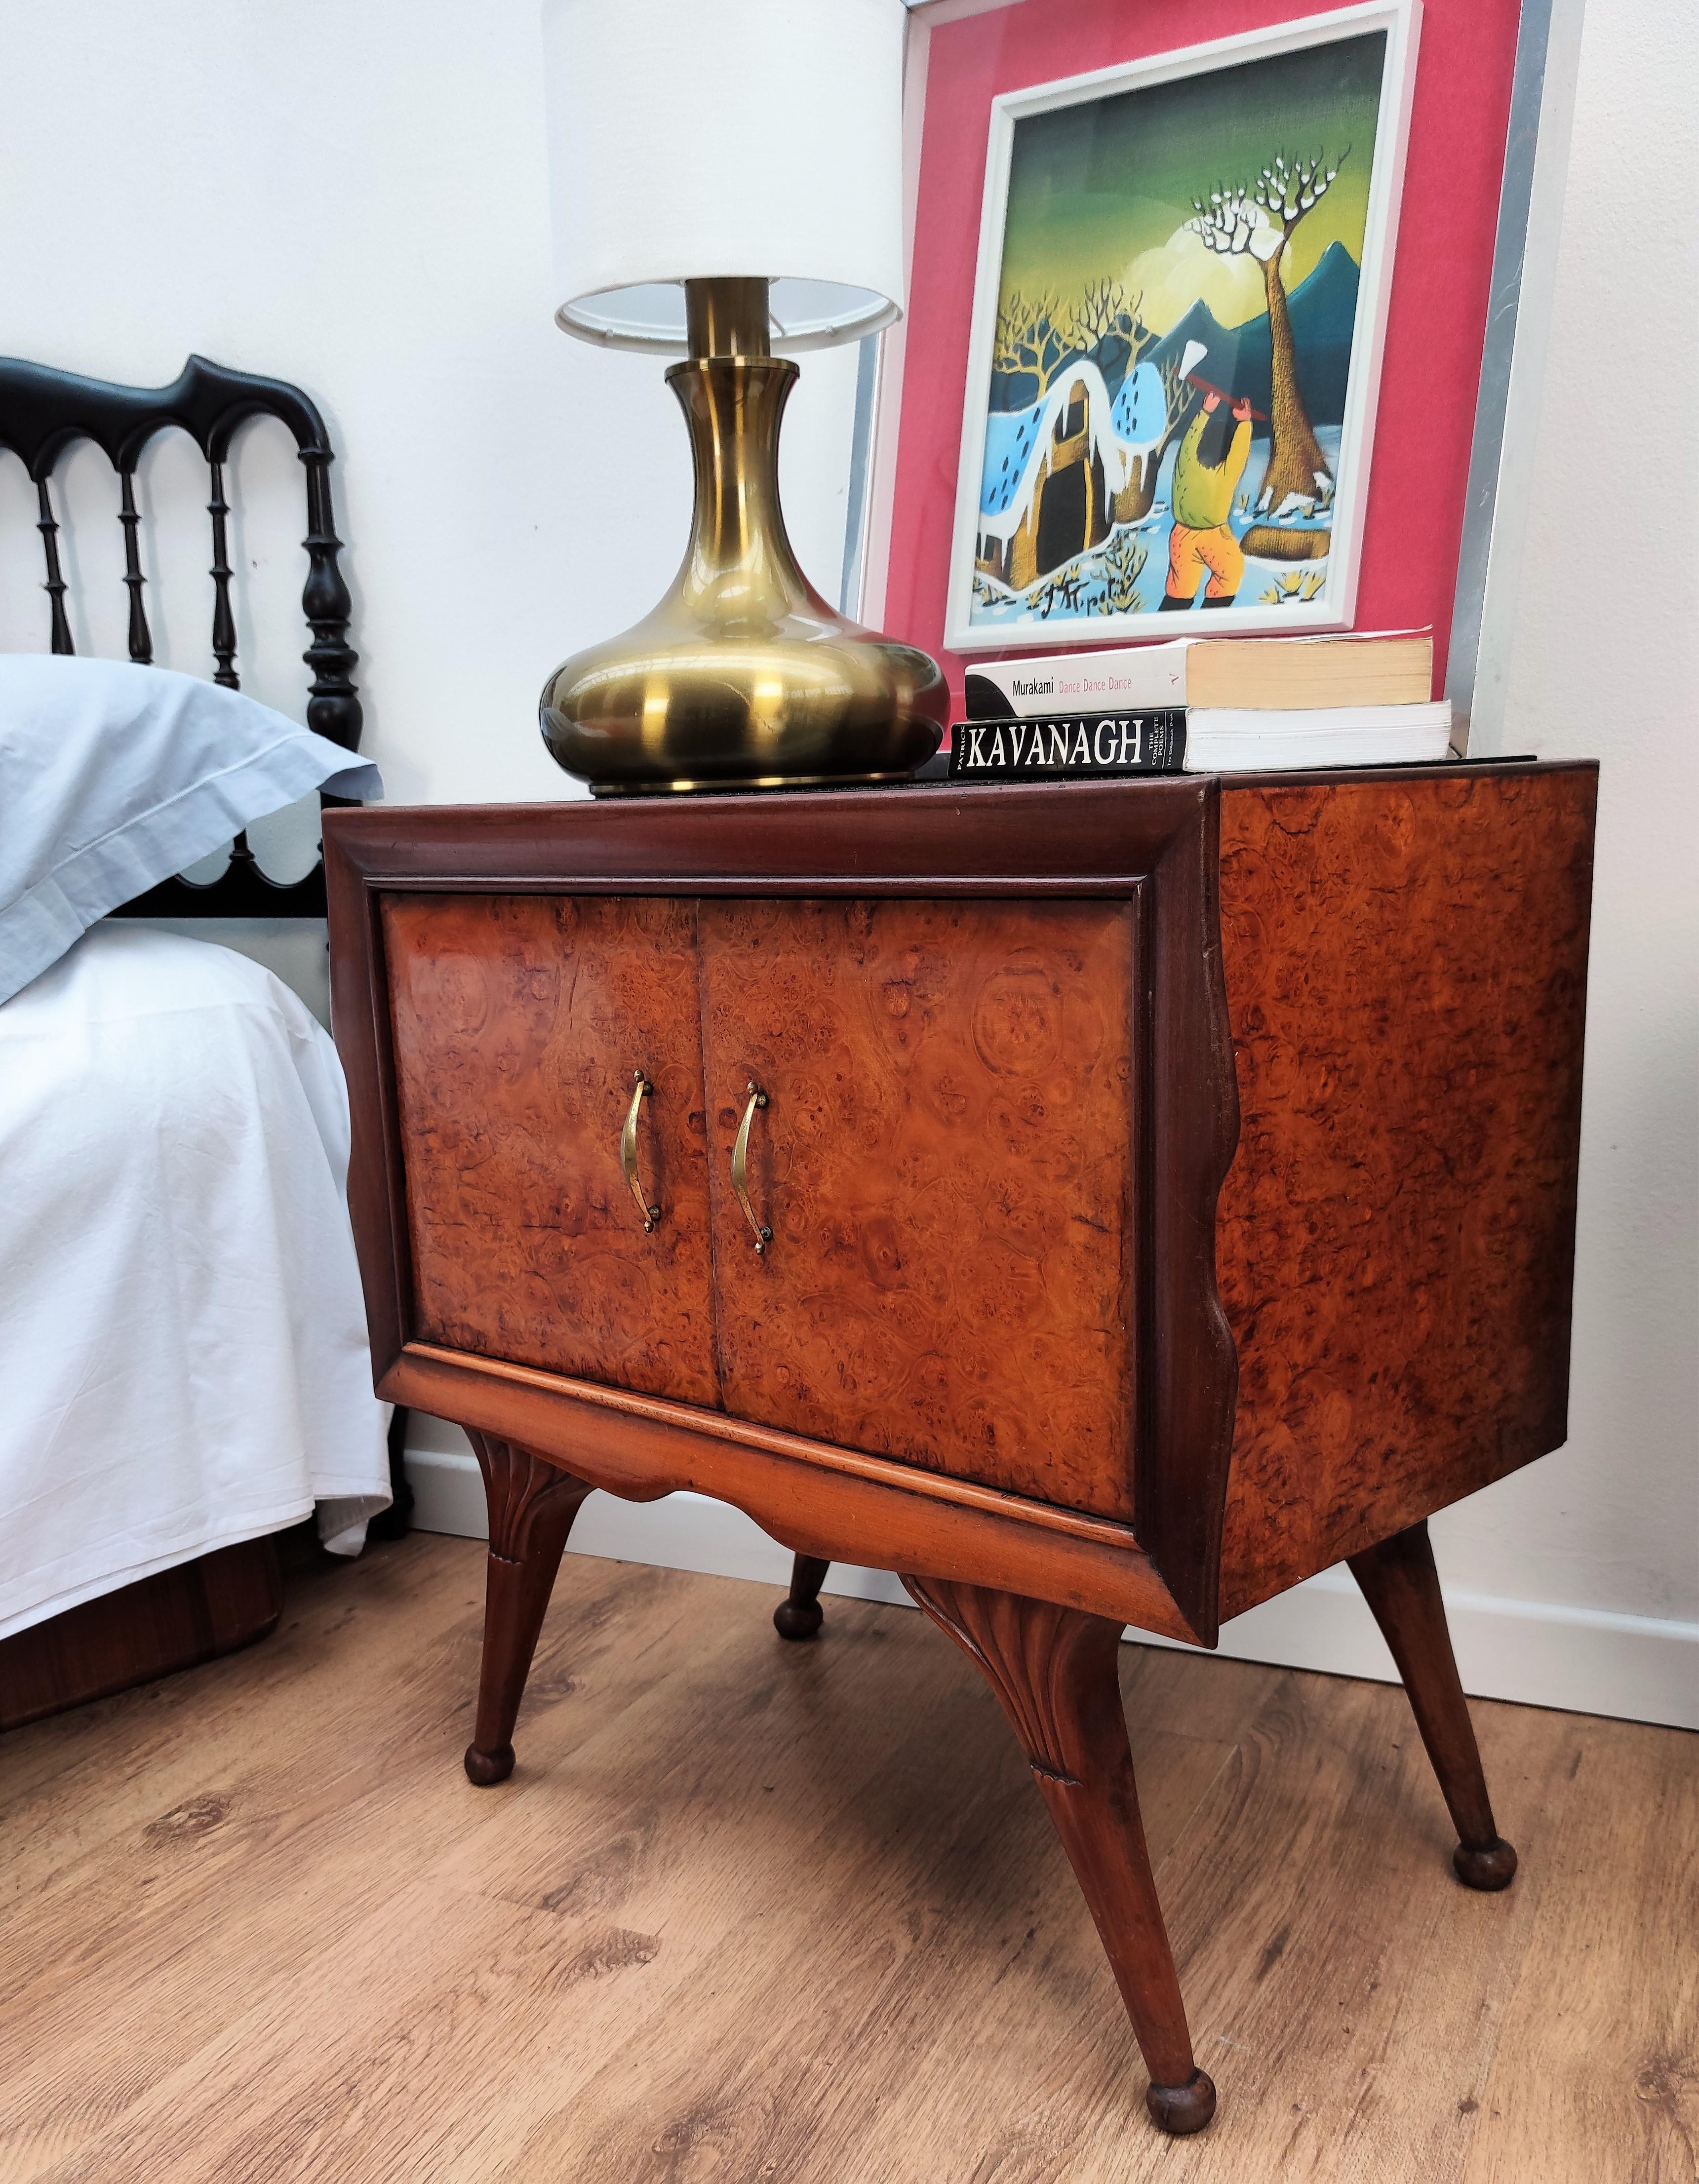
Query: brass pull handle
[
  {"x": 650, "y": 1214},
  {"x": 740, "y": 1167}
]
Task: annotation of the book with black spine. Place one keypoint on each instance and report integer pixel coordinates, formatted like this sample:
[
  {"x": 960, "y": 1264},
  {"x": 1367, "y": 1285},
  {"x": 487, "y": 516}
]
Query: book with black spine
[
  {"x": 1077, "y": 746},
  {"x": 1198, "y": 740}
]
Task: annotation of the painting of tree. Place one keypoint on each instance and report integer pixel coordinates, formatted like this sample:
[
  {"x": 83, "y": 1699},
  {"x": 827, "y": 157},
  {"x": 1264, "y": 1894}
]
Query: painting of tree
[
  {"x": 1183, "y": 276},
  {"x": 1262, "y": 218}
]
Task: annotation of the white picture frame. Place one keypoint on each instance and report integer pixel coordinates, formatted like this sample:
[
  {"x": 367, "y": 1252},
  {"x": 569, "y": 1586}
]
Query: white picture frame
[{"x": 1334, "y": 604}]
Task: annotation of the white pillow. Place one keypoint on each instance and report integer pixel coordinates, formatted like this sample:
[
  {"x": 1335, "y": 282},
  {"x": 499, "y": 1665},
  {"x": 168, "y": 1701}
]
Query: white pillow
[{"x": 114, "y": 777}]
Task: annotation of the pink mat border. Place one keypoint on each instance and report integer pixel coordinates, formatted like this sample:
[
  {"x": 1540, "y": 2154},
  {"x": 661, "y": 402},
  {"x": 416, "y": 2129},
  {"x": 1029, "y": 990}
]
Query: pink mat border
[{"x": 1436, "y": 319}]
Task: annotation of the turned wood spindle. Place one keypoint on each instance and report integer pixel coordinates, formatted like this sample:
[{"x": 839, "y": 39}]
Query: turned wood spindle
[
  {"x": 224, "y": 621},
  {"x": 332, "y": 708},
  {"x": 140, "y": 638},
  {"x": 55, "y": 585}
]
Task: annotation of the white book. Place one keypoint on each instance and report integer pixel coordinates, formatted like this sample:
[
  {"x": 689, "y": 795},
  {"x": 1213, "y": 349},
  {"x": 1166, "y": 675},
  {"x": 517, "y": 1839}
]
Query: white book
[
  {"x": 1363, "y": 668},
  {"x": 1231, "y": 739}
]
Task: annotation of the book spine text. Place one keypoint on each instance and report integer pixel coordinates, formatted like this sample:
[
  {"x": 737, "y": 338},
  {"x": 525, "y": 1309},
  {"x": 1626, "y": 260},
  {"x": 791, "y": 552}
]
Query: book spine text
[{"x": 1076, "y": 745}]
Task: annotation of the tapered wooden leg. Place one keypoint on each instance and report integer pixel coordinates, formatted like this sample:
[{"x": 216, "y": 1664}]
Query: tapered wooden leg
[
  {"x": 531, "y": 1506},
  {"x": 800, "y": 1617},
  {"x": 1402, "y": 1587},
  {"x": 1054, "y": 1672}
]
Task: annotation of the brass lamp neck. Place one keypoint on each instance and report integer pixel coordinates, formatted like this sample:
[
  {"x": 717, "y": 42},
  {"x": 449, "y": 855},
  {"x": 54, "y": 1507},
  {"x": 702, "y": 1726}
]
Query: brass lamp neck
[
  {"x": 727, "y": 318},
  {"x": 739, "y": 570}
]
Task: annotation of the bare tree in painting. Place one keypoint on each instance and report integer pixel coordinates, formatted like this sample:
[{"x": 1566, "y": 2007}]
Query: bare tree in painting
[
  {"x": 1261, "y": 220},
  {"x": 1029, "y": 341},
  {"x": 1037, "y": 334},
  {"x": 1106, "y": 313}
]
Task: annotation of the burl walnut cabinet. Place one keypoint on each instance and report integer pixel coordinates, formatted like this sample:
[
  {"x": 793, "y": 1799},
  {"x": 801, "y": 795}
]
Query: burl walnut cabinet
[{"x": 1100, "y": 1204}]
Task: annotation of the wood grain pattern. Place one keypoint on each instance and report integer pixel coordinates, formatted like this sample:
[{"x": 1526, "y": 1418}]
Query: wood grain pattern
[
  {"x": 1405, "y": 956},
  {"x": 1053, "y": 1671},
  {"x": 829, "y": 1503},
  {"x": 947, "y": 1160},
  {"x": 174, "y": 1620},
  {"x": 1152, "y": 843},
  {"x": 1401, "y": 1586},
  {"x": 1597, "y": 2071},
  {"x": 518, "y": 1022},
  {"x": 752, "y": 1905},
  {"x": 1406, "y": 969},
  {"x": 531, "y": 1504}
]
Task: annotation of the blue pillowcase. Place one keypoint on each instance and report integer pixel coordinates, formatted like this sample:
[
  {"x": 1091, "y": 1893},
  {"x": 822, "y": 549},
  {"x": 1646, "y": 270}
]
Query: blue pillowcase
[{"x": 114, "y": 777}]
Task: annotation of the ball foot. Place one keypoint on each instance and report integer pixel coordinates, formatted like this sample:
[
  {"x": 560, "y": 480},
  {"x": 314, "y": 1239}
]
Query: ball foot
[
  {"x": 1488, "y": 1867},
  {"x": 1182, "y": 2109},
  {"x": 798, "y": 1618},
  {"x": 488, "y": 1768}
]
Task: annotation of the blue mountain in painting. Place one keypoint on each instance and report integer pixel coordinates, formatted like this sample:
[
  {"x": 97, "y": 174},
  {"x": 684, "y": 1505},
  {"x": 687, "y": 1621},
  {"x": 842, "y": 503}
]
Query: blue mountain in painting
[{"x": 1323, "y": 309}]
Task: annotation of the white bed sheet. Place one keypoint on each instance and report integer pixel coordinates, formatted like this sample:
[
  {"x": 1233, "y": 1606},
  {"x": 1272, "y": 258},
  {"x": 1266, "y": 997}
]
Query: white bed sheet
[{"x": 183, "y": 1358}]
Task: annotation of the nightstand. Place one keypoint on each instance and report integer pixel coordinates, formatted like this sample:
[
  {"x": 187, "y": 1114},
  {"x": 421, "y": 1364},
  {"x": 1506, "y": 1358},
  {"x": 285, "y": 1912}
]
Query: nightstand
[{"x": 1100, "y": 1204}]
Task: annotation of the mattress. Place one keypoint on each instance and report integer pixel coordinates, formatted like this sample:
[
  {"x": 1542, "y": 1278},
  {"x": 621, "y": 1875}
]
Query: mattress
[{"x": 183, "y": 1357}]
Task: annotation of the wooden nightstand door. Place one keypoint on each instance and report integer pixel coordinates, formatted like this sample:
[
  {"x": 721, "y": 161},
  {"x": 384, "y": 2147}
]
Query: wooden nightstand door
[
  {"x": 519, "y": 1022},
  {"x": 947, "y": 1162}
]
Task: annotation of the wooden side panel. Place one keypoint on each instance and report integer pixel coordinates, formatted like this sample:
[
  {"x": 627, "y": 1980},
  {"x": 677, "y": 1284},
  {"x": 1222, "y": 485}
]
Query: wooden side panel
[
  {"x": 947, "y": 1162},
  {"x": 1406, "y": 968},
  {"x": 175, "y": 1620},
  {"x": 518, "y": 1023}
]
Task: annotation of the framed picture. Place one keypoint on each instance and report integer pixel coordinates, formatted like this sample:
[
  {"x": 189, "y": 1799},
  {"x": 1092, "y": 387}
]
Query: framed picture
[
  {"x": 1432, "y": 528},
  {"x": 1179, "y": 310}
]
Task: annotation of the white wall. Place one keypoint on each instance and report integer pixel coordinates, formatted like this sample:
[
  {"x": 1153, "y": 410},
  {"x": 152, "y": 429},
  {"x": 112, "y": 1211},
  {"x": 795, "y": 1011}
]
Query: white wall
[
  {"x": 354, "y": 197},
  {"x": 1604, "y": 664}
]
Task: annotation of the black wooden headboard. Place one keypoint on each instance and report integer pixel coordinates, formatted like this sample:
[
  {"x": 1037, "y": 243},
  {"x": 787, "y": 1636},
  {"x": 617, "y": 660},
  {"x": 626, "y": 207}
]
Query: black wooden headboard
[{"x": 42, "y": 411}]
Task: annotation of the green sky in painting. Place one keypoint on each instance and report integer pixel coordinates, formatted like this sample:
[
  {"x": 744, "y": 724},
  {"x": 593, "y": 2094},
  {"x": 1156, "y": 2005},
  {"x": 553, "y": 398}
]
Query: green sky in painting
[{"x": 1104, "y": 188}]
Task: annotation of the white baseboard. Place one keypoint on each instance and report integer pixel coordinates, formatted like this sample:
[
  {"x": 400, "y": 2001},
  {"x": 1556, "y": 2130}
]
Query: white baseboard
[
  {"x": 1581, "y": 1659},
  {"x": 1543, "y": 1653}
]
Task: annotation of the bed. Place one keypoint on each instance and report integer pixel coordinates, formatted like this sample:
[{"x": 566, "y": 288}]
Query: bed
[{"x": 182, "y": 1339}]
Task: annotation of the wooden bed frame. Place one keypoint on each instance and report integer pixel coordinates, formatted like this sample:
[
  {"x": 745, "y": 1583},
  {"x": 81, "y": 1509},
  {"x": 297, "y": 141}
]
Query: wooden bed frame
[{"x": 198, "y": 1609}]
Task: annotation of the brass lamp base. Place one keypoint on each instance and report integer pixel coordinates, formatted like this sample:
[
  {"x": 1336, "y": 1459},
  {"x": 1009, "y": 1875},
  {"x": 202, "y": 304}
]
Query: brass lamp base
[{"x": 743, "y": 677}]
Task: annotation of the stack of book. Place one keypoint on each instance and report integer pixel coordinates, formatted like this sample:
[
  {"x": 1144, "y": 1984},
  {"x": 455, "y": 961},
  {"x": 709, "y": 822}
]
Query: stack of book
[{"x": 1204, "y": 704}]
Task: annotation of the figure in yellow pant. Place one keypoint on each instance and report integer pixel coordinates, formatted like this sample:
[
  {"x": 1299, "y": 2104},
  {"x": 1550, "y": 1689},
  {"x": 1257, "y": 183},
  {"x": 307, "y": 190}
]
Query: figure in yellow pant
[{"x": 1208, "y": 469}]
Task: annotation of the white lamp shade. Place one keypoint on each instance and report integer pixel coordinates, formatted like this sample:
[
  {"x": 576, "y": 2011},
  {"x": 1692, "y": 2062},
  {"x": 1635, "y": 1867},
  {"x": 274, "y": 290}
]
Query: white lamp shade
[{"x": 709, "y": 139}]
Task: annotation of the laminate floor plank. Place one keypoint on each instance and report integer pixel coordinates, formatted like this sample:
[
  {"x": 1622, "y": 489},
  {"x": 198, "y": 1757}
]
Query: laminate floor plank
[
  {"x": 1597, "y": 2071},
  {"x": 548, "y": 1905},
  {"x": 935, "y": 1883},
  {"x": 219, "y": 1874},
  {"x": 80, "y": 1779},
  {"x": 750, "y": 1912}
]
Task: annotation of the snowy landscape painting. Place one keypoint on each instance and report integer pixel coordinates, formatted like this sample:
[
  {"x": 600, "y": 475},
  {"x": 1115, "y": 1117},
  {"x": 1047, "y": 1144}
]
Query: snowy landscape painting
[{"x": 1182, "y": 287}]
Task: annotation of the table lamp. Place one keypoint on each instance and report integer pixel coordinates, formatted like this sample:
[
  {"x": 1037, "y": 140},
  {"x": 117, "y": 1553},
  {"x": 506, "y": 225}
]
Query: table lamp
[{"x": 727, "y": 175}]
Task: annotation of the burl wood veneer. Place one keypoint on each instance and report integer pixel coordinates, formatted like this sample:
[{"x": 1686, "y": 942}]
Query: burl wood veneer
[
  {"x": 948, "y": 1167},
  {"x": 521, "y": 1023},
  {"x": 1018, "y": 1076},
  {"x": 1406, "y": 969}
]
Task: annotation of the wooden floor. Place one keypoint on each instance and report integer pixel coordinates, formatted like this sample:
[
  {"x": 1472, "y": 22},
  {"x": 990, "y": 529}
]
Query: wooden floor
[{"x": 750, "y": 1911}]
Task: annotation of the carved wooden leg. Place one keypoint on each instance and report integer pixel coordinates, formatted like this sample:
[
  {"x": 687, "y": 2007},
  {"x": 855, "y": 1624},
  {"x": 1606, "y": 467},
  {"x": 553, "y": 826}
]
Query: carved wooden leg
[
  {"x": 1402, "y": 1587},
  {"x": 1054, "y": 1672},
  {"x": 531, "y": 1506},
  {"x": 800, "y": 1617}
]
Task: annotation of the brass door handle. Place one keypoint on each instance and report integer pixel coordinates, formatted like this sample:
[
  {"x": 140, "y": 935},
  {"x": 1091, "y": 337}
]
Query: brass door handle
[
  {"x": 740, "y": 1167},
  {"x": 650, "y": 1214}
]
